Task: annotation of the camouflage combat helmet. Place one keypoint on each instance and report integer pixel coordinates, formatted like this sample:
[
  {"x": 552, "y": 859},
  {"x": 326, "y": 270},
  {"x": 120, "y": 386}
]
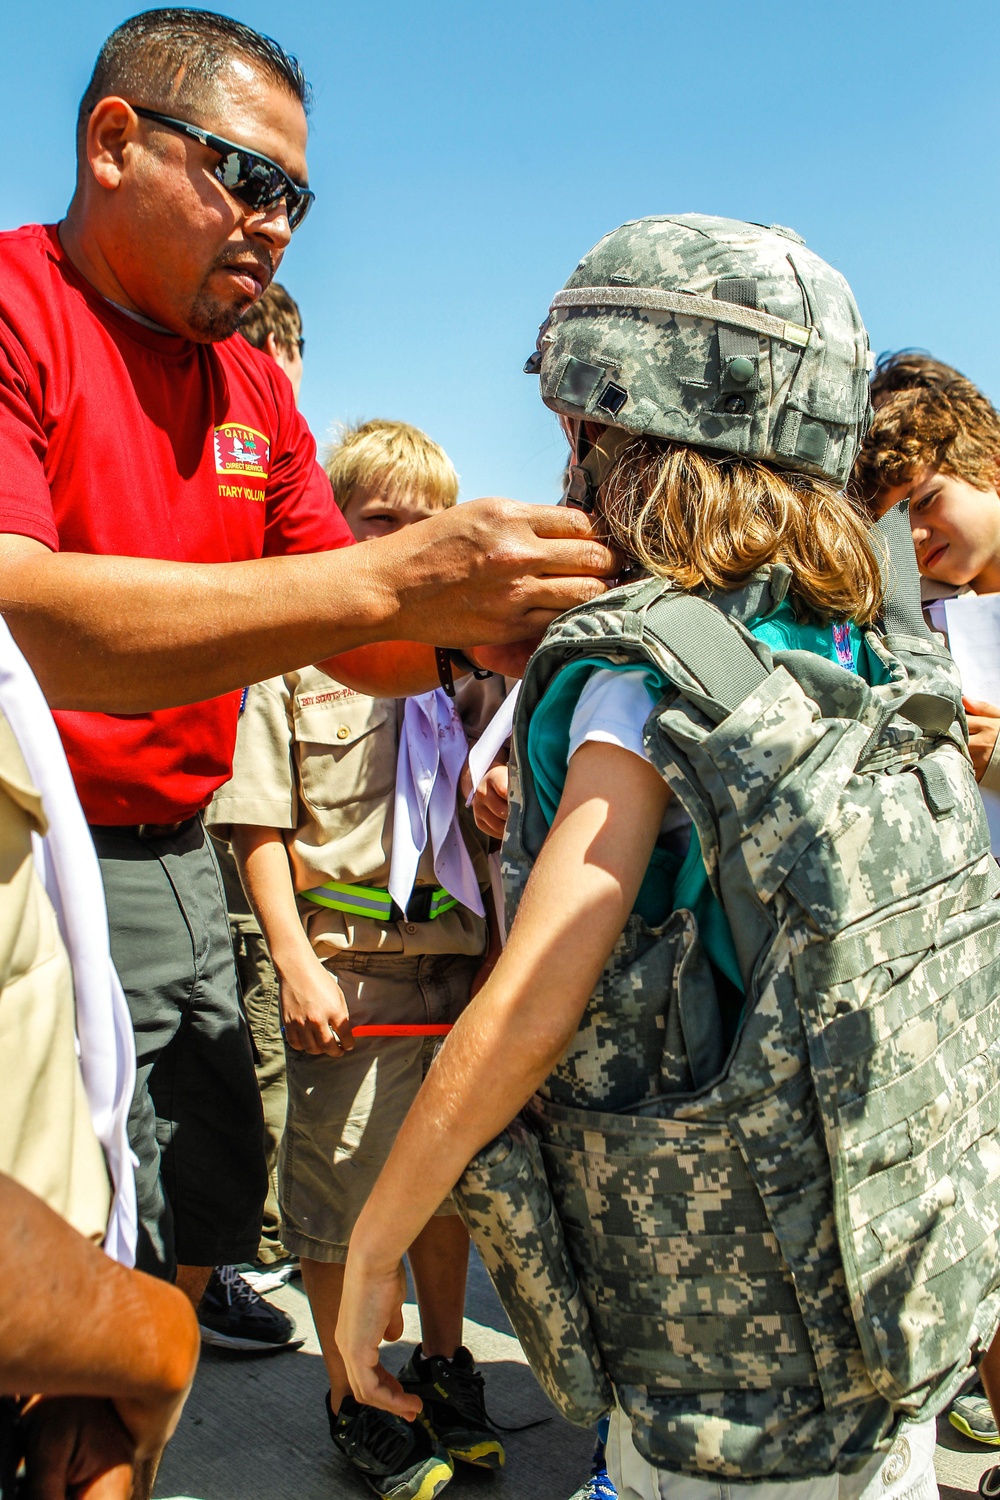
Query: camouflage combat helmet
[{"x": 716, "y": 333}]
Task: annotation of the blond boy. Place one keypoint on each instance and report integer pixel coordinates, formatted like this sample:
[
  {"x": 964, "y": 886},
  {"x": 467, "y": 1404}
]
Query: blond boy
[{"x": 310, "y": 807}]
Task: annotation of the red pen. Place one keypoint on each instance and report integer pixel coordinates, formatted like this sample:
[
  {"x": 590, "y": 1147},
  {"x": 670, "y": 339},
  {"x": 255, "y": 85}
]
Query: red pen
[{"x": 436, "y": 1030}]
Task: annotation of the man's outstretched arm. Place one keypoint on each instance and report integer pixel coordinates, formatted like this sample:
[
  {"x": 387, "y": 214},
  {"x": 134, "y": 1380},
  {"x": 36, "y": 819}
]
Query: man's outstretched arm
[
  {"x": 111, "y": 1352},
  {"x": 125, "y": 634}
]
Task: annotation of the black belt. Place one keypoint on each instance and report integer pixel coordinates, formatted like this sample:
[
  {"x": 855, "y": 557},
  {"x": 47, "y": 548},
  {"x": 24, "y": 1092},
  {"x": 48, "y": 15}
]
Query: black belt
[{"x": 146, "y": 830}]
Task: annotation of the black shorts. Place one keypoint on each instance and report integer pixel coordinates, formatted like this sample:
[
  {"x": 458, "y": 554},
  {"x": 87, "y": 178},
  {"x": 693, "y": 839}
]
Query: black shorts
[{"x": 196, "y": 1123}]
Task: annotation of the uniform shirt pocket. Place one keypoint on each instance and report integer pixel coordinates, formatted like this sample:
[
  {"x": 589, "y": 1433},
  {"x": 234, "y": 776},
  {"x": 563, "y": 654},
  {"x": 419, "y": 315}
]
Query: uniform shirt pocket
[{"x": 345, "y": 750}]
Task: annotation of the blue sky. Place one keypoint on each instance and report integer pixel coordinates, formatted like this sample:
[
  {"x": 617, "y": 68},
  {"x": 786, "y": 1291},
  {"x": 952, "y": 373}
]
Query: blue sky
[{"x": 466, "y": 155}]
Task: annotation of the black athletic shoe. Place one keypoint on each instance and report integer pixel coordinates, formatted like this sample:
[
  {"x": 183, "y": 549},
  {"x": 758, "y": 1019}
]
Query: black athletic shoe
[
  {"x": 231, "y": 1315},
  {"x": 398, "y": 1460},
  {"x": 454, "y": 1406}
]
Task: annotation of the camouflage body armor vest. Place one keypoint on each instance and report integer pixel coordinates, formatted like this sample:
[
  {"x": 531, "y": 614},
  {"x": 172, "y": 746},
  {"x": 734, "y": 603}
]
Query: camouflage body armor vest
[{"x": 776, "y": 1252}]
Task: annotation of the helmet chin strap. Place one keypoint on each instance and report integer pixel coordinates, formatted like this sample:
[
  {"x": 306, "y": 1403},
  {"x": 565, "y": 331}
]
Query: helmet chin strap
[{"x": 594, "y": 462}]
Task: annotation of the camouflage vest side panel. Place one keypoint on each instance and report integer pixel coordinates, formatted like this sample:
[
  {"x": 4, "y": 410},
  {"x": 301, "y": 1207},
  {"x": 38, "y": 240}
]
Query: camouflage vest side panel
[{"x": 780, "y": 1249}]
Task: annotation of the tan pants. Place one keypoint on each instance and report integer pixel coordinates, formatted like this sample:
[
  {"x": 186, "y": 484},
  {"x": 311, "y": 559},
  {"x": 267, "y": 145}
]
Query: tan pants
[{"x": 344, "y": 1112}]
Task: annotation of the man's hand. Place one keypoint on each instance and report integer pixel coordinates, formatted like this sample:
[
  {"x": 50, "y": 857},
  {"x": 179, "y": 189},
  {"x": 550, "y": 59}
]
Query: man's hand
[
  {"x": 984, "y": 725},
  {"x": 371, "y": 1309},
  {"x": 77, "y": 1449},
  {"x": 489, "y": 572},
  {"x": 314, "y": 1012},
  {"x": 133, "y": 1349}
]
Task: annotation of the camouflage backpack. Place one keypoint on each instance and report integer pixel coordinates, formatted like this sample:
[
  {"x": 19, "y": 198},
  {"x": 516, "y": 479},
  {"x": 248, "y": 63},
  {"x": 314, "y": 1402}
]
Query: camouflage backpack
[
  {"x": 767, "y": 1250},
  {"x": 772, "y": 1252}
]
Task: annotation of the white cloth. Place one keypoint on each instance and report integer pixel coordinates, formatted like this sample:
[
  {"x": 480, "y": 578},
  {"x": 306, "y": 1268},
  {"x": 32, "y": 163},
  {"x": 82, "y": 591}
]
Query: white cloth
[
  {"x": 492, "y": 740},
  {"x": 906, "y": 1472},
  {"x": 612, "y": 709},
  {"x": 432, "y": 754},
  {"x": 71, "y": 874}
]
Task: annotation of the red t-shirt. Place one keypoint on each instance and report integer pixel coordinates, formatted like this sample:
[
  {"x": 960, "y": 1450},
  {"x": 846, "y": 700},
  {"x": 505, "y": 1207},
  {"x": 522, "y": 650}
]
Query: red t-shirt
[{"x": 121, "y": 441}]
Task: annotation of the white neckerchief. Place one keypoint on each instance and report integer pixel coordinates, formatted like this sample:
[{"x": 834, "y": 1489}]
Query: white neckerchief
[
  {"x": 432, "y": 753},
  {"x": 482, "y": 755},
  {"x": 71, "y": 875}
]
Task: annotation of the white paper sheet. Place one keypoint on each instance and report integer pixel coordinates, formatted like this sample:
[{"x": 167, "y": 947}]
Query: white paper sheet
[{"x": 973, "y": 625}]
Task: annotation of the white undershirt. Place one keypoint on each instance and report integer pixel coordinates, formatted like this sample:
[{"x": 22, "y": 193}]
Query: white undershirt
[{"x": 613, "y": 709}]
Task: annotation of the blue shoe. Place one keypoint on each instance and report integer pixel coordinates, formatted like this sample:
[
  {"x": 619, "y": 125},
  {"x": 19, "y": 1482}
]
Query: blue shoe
[{"x": 598, "y": 1486}]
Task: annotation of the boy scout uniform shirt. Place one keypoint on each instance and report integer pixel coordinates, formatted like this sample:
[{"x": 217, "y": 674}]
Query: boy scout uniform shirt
[
  {"x": 317, "y": 761},
  {"x": 47, "y": 1139}
]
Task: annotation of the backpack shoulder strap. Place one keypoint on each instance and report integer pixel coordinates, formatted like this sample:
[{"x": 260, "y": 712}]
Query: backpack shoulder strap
[
  {"x": 901, "y": 612},
  {"x": 708, "y": 645}
]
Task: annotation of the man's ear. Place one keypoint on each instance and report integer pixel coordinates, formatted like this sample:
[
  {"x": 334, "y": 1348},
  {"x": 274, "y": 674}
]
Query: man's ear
[
  {"x": 272, "y": 347},
  {"x": 111, "y": 129}
]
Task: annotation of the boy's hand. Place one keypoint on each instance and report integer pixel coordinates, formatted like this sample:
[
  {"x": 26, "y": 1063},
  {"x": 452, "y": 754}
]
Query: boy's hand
[
  {"x": 491, "y": 802},
  {"x": 314, "y": 1013},
  {"x": 984, "y": 726}
]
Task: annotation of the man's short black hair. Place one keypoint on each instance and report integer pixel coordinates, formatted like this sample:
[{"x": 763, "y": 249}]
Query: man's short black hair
[{"x": 166, "y": 59}]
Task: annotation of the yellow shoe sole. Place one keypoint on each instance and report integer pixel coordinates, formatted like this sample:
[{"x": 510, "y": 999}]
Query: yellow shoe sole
[
  {"x": 432, "y": 1483},
  {"x": 488, "y": 1454}
]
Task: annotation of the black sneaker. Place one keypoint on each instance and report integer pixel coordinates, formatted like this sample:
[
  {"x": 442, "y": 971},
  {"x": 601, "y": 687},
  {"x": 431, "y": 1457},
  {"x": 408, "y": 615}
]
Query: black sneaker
[
  {"x": 231, "y": 1315},
  {"x": 454, "y": 1406},
  {"x": 398, "y": 1460}
]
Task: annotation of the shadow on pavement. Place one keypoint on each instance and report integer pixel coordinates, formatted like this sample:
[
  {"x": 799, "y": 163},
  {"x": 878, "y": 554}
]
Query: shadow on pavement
[{"x": 256, "y": 1429}]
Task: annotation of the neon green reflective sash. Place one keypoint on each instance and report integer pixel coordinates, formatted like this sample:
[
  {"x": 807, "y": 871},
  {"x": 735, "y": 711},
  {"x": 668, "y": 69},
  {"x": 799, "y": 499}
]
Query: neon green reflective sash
[{"x": 368, "y": 901}]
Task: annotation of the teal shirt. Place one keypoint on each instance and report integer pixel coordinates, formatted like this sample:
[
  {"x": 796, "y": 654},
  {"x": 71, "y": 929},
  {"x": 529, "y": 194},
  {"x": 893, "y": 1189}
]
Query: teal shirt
[{"x": 672, "y": 882}]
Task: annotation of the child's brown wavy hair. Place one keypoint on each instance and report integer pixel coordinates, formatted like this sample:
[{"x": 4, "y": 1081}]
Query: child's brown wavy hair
[
  {"x": 952, "y": 427},
  {"x": 707, "y": 520}
]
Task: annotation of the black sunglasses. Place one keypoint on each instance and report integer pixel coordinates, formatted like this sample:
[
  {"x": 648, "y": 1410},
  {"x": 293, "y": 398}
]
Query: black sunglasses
[{"x": 255, "y": 180}]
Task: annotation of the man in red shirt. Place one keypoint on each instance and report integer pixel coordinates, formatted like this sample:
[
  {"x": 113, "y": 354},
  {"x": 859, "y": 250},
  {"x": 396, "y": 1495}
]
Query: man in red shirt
[{"x": 166, "y": 537}]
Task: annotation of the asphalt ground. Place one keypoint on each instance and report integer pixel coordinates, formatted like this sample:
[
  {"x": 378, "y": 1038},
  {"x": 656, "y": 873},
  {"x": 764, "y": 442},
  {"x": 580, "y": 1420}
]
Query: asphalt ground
[{"x": 255, "y": 1427}]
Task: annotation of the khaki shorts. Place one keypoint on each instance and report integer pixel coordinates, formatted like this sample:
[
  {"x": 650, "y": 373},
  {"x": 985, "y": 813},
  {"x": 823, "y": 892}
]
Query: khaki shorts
[{"x": 344, "y": 1112}]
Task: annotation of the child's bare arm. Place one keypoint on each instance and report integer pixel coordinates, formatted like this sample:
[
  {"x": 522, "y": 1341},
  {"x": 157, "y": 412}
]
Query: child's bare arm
[
  {"x": 313, "y": 1009},
  {"x": 581, "y": 891}
]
